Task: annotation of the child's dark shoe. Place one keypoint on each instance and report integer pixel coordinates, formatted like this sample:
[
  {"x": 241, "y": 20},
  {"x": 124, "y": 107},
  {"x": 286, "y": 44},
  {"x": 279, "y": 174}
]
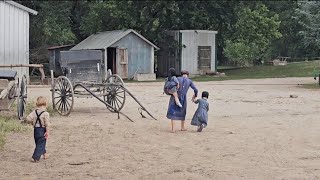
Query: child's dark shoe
[{"x": 200, "y": 128}]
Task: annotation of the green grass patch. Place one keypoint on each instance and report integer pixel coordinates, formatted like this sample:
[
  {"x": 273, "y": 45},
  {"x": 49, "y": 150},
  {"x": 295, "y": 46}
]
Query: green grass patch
[
  {"x": 302, "y": 69},
  {"x": 298, "y": 69},
  {"x": 9, "y": 124}
]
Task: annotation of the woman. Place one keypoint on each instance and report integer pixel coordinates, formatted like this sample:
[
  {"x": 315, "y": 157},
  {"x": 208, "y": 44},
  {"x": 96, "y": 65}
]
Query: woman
[{"x": 175, "y": 112}]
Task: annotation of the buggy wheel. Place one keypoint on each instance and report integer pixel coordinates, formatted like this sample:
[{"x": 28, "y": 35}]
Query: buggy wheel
[
  {"x": 115, "y": 94},
  {"x": 62, "y": 96},
  {"x": 21, "y": 100}
]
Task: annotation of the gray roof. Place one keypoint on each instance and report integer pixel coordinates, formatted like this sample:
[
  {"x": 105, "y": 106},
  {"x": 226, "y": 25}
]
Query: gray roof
[
  {"x": 22, "y": 7},
  {"x": 105, "y": 39}
]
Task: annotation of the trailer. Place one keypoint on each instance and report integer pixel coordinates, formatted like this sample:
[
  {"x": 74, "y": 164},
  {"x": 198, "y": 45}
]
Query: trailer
[{"x": 86, "y": 75}]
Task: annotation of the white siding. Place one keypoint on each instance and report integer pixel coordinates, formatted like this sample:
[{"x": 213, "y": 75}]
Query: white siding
[
  {"x": 189, "y": 54},
  {"x": 14, "y": 37}
]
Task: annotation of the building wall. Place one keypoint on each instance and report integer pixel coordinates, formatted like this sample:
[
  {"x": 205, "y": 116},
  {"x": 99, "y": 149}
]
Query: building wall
[
  {"x": 14, "y": 37},
  {"x": 140, "y": 54},
  {"x": 189, "y": 54}
]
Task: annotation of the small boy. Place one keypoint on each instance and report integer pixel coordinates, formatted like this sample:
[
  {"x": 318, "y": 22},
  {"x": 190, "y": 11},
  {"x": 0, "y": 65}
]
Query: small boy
[
  {"x": 39, "y": 118},
  {"x": 200, "y": 117},
  {"x": 172, "y": 85}
]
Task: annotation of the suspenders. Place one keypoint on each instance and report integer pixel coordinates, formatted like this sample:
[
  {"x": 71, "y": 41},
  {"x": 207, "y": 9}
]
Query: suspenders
[{"x": 38, "y": 119}]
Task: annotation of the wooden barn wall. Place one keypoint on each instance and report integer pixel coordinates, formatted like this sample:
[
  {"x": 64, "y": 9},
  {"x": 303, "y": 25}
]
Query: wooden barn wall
[
  {"x": 189, "y": 53},
  {"x": 14, "y": 37},
  {"x": 140, "y": 54}
]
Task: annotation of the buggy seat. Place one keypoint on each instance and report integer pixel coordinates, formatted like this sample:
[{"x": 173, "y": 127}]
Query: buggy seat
[{"x": 8, "y": 74}]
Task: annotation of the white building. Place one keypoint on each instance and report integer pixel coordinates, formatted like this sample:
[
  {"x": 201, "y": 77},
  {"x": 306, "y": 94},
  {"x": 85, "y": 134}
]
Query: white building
[
  {"x": 195, "y": 51},
  {"x": 14, "y": 35}
]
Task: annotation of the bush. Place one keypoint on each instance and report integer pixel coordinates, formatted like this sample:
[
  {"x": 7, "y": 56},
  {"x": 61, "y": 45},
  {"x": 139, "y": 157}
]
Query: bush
[{"x": 243, "y": 54}]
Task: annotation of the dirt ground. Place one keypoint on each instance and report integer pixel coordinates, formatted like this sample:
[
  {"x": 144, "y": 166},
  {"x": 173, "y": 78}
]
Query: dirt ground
[{"x": 254, "y": 132}]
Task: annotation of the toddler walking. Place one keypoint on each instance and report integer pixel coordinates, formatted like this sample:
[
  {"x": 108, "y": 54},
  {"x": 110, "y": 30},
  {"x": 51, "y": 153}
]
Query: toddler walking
[
  {"x": 39, "y": 118},
  {"x": 200, "y": 117},
  {"x": 172, "y": 85}
]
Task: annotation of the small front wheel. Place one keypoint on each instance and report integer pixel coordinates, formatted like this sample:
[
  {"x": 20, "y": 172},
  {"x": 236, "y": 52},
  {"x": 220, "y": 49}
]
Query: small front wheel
[
  {"x": 62, "y": 96},
  {"x": 115, "y": 94}
]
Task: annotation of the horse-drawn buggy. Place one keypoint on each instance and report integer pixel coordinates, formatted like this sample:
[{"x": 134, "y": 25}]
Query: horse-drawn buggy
[
  {"x": 11, "y": 89},
  {"x": 85, "y": 74}
]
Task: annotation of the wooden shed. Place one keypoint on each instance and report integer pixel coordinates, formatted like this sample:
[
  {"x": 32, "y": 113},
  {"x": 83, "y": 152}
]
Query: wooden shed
[
  {"x": 195, "y": 52},
  {"x": 54, "y": 58},
  {"x": 128, "y": 53},
  {"x": 14, "y": 35}
]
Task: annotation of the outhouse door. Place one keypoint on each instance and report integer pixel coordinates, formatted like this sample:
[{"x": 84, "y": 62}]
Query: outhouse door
[{"x": 122, "y": 62}]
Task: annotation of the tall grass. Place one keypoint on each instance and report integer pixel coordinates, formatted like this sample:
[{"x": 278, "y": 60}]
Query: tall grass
[{"x": 9, "y": 124}]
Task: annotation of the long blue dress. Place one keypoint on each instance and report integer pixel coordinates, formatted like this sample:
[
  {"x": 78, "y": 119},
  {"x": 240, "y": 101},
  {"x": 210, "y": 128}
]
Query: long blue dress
[
  {"x": 201, "y": 115},
  {"x": 175, "y": 112}
]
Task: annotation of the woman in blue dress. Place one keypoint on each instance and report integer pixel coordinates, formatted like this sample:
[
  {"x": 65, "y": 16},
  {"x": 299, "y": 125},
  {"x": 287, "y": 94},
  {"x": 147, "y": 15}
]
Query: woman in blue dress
[{"x": 175, "y": 113}]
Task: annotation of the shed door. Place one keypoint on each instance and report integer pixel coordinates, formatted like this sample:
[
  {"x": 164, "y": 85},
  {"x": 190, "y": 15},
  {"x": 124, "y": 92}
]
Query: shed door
[
  {"x": 204, "y": 58},
  {"x": 122, "y": 62}
]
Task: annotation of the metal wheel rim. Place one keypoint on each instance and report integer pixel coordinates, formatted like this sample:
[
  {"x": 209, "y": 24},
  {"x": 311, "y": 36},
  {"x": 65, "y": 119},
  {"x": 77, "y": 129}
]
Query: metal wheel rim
[
  {"x": 116, "y": 96},
  {"x": 62, "y": 96},
  {"x": 21, "y": 102}
]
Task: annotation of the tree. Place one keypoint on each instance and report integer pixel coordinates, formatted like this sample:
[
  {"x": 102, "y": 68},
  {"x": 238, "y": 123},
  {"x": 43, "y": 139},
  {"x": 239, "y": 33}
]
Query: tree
[
  {"x": 254, "y": 32},
  {"x": 308, "y": 16}
]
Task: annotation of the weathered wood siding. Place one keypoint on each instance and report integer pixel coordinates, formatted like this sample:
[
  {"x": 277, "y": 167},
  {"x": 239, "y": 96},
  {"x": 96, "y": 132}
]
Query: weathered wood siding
[
  {"x": 14, "y": 37},
  {"x": 140, "y": 54},
  {"x": 189, "y": 54}
]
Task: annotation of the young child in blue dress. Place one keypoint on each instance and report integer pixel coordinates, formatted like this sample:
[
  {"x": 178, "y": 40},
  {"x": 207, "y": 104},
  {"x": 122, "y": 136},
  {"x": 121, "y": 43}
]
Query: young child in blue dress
[
  {"x": 172, "y": 86},
  {"x": 200, "y": 117}
]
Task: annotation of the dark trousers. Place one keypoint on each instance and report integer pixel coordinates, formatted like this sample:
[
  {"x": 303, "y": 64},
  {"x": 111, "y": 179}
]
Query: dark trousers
[{"x": 40, "y": 141}]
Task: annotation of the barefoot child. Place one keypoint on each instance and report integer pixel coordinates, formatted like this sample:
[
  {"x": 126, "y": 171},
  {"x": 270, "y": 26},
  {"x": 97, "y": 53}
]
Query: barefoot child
[
  {"x": 39, "y": 118},
  {"x": 200, "y": 117},
  {"x": 172, "y": 86}
]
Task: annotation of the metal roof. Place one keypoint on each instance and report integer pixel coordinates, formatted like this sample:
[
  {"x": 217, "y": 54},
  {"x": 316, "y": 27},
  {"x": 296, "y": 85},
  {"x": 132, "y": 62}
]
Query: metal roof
[
  {"x": 103, "y": 40},
  {"x": 22, "y": 7},
  {"x": 58, "y": 47},
  {"x": 200, "y": 31}
]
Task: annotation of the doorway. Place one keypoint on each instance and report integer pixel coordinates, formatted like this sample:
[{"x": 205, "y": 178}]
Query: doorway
[{"x": 111, "y": 59}]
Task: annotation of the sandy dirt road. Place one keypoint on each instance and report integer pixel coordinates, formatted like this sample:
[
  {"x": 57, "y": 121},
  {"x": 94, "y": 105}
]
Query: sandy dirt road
[{"x": 254, "y": 132}]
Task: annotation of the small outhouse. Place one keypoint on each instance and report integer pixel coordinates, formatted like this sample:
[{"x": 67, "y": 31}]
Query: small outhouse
[{"x": 195, "y": 51}]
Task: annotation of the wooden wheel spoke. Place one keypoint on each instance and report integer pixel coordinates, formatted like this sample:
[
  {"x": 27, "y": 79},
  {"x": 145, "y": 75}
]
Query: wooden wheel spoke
[
  {"x": 117, "y": 100},
  {"x": 59, "y": 108},
  {"x": 116, "y": 104},
  {"x": 120, "y": 96},
  {"x": 58, "y": 101},
  {"x": 68, "y": 104}
]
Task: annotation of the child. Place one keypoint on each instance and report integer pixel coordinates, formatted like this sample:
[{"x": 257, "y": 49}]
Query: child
[
  {"x": 172, "y": 86},
  {"x": 200, "y": 117},
  {"x": 39, "y": 118}
]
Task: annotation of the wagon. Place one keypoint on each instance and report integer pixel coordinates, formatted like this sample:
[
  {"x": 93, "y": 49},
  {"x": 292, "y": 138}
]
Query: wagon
[
  {"x": 11, "y": 89},
  {"x": 86, "y": 75}
]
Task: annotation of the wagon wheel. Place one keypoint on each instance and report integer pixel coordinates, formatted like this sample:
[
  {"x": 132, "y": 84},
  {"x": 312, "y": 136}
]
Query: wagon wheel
[
  {"x": 62, "y": 96},
  {"x": 115, "y": 94},
  {"x": 21, "y": 102}
]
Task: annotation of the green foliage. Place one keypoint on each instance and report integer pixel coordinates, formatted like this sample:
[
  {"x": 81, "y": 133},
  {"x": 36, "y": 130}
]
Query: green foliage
[
  {"x": 276, "y": 28},
  {"x": 308, "y": 16},
  {"x": 255, "y": 30},
  {"x": 241, "y": 52}
]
